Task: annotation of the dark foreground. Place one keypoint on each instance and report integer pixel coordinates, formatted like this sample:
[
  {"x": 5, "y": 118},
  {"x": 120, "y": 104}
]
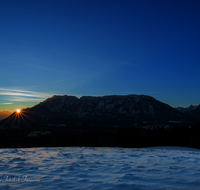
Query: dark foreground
[{"x": 98, "y": 136}]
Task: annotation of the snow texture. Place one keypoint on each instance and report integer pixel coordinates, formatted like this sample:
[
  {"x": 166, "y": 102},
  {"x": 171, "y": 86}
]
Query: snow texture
[{"x": 100, "y": 168}]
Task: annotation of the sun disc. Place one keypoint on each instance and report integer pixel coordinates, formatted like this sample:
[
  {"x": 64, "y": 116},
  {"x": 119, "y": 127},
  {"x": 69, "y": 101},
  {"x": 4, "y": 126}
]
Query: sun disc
[{"x": 18, "y": 110}]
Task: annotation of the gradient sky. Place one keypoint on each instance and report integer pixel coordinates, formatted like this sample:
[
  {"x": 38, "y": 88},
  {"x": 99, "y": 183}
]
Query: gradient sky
[{"x": 97, "y": 47}]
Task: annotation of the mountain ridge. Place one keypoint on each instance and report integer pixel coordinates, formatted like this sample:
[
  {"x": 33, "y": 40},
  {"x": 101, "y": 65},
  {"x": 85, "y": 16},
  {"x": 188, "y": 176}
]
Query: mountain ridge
[
  {"x": 186, "y": 109},
  {"x": 130, "y": 110}
]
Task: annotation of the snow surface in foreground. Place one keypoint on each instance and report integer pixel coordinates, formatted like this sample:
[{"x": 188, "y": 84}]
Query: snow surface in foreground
[{"x": 100, "y": 168}]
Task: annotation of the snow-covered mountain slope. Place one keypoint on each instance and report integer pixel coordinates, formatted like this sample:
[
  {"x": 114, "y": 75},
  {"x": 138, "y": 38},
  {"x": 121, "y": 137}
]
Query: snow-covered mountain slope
[{"x": 129, "y": 107}]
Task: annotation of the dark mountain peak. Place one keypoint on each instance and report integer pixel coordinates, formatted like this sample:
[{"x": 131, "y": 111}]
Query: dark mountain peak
[
  {"x": 60, "y": 97},
  {"x": 196, "y": 111},
  {"x": 191, "y": 107},
  {"x": 111, "y": 107},
  {"x": 187, "y": 109},
  {"x": 132, "y": 109},
  {"x": 57, "y": 103}
]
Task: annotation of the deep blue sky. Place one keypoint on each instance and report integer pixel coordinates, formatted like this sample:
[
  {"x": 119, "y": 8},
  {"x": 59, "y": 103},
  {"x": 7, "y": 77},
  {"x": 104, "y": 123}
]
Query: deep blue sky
[{"x": 97, "y": 47}]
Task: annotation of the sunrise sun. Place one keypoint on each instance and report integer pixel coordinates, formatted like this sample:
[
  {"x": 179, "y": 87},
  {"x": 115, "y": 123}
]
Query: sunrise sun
[{"x": 18, "y": 110}]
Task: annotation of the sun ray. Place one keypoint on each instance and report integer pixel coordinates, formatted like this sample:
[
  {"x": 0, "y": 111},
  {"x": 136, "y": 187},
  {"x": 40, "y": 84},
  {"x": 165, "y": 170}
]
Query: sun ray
[
  {"x": 22, "y": 116},
  {"x": 11, "y": 117},
  {"x": 14, "y": 120},
  {"x": 19, "y": 118},
  {"x": 27, "y": 117}
]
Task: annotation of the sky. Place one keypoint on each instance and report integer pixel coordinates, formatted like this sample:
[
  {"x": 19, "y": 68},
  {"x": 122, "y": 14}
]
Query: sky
[{"x": 97, "y": 48}]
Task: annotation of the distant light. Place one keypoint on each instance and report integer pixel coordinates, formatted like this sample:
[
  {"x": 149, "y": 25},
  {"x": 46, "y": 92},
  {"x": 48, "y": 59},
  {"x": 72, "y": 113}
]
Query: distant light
[{"x": 18, "y": 110}]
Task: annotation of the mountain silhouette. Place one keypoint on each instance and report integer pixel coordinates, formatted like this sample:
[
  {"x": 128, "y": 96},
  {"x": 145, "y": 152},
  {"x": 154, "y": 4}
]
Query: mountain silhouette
[{"x": 114, "y": 109}]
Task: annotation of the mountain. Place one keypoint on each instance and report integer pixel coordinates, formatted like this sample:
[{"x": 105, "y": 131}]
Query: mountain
[
  {"x": 195, "y": 114},
  {"x": 187, "y": 109},
  {"x": 126, "y": 110},
  {"x": 124, "y": 121},
  {"x": 192, "y": 113}
]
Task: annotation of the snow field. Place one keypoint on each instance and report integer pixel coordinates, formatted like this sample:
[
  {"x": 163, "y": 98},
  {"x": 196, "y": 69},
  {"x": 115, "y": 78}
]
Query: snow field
[{"x": 100, "y": 168}]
